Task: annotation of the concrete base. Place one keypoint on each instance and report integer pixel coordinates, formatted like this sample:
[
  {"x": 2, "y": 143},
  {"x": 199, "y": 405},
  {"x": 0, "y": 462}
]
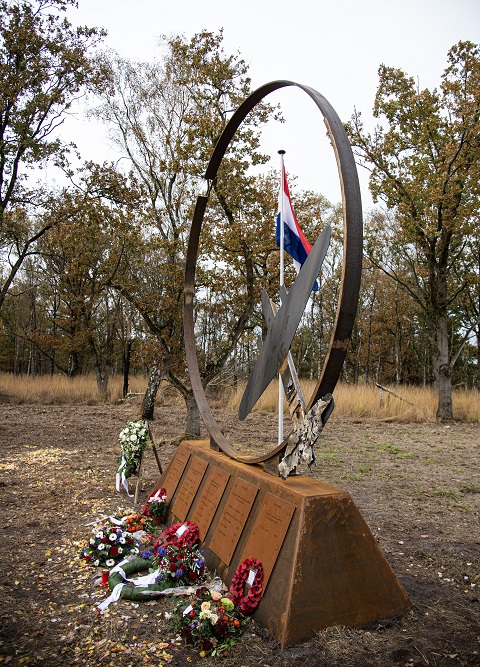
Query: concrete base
[{"x": 322, "y": 565}]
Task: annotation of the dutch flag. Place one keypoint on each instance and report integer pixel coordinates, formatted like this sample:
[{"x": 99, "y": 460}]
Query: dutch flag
[{"x": 295, "y": 242}]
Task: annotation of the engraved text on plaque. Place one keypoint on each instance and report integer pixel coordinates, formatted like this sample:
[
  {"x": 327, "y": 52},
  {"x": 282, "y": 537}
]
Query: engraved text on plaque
[
  {"x": 233, "y": 518},
  {"x": 209, "y": 499},
  {"x": 175, "y": 472},
  {"x": 189, "y": 487},
  {"x": 268, "y": 533}
]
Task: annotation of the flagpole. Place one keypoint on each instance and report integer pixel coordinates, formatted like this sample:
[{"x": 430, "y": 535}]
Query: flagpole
[{"x": 282, "y": 272}]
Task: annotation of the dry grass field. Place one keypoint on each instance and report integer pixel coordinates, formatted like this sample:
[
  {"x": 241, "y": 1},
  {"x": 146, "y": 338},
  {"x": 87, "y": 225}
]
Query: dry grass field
[
  {"x": 404, "y": 404},
  {"x": 417, "y": 484}
]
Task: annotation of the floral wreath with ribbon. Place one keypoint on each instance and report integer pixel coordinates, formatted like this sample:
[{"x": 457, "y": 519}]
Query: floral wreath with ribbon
[
  {"x": 249, "y": 602},
  {"x": 179, "y": 534}
]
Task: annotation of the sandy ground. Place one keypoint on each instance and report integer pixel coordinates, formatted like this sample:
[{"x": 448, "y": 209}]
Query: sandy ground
[{"x": 417, "y": 486}]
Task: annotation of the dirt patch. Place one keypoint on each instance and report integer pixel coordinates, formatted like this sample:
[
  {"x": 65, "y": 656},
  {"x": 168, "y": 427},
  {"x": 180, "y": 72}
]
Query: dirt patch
[{"x": 417, "y": 485}]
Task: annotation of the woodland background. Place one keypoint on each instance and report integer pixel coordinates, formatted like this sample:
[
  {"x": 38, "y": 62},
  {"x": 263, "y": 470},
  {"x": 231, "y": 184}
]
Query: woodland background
[{"x": 92, "y": 261}]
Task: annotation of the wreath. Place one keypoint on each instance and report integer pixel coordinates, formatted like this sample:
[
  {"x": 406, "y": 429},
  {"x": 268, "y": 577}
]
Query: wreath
[
  {"x": 130, "y": 591},
  {"x": 247, "y": 603},
  {"x": 179, "y": 535},
  {"x": 133, "y": 440},
  {"x": 171, "y": 566}
]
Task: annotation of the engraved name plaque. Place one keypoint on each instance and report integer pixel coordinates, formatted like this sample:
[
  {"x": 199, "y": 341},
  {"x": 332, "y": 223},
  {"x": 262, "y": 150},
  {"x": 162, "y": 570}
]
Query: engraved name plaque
[
  {"x": 268, "y": 533},
  {"x": 175, "y": 472},
  {"x": 209, "y": 499},
  {"x": 231, "y": 523},
  {"x": 189, "y": 487}
]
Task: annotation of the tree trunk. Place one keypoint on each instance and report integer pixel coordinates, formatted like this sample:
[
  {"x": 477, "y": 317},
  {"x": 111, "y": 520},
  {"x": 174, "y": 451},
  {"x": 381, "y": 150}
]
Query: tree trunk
[
  {"x": 126, "y": 366},
  {"x": 398, "y": 342},
  {"x": 442, "y": 370},
  {"x": 154, "y": 382},
  {"x": 102, "y": 381},
  {"x": 192, "y": 426}
]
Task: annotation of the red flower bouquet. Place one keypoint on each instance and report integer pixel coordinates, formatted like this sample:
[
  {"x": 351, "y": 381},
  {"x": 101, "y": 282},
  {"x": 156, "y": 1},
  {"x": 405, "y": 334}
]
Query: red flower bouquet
[
  {"x": 210, "y": 623},
  {"x": 156, "y": 505},
  {"x": 179, "y": 565}
]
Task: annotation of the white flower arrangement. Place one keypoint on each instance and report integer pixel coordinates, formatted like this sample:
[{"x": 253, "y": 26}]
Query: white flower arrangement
[{"x": 133, "y": 440}]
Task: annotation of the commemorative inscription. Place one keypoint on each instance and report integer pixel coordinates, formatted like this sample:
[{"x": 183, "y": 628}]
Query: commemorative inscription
[
  {"x": 233, "y": 518},
  {"x": 268, "y": 533},
  {"x": 175, "y": 471},
  {"x": 190, "y": 486},
  {"x": 209, "y": 499}
]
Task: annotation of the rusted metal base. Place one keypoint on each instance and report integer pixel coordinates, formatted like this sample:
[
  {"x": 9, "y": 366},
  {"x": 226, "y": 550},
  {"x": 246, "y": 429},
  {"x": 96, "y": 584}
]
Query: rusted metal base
[{"x": 322, "y": 565}]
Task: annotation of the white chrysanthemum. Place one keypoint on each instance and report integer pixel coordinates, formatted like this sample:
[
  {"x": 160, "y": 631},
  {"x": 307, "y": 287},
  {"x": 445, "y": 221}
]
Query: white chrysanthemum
[
  {"x": 101, "y": 546},
  {"x": 110, "y": 562},
  {"x": 112, "y": 537}
]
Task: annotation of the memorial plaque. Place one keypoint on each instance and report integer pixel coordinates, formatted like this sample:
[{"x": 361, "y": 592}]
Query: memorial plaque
[
  {"x": 233, "y": 518},
  {"x": 189, "y": 488},
  {"x": 209, "y": 499},
  {"x": 175, "y": 472},
  {"x": 268, "y": 533},
  {"x": 322, "y": 564}
]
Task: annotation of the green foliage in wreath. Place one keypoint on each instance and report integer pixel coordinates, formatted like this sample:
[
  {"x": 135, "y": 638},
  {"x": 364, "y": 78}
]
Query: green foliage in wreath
[{"x": 136, "y": 593}]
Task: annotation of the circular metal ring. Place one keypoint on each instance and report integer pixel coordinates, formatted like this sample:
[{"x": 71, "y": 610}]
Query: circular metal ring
[{"x": 351, "y": 270}]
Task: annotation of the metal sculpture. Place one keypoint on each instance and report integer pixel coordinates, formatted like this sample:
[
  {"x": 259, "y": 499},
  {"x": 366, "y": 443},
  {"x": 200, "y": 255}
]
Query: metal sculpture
[
  {"x": 282, "y": 326},
  {"x": 273, "y": 356}
]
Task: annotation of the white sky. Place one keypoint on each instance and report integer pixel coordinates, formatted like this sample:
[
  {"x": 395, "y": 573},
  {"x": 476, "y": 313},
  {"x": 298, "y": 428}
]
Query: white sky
[{"x": 334, "y": 47}]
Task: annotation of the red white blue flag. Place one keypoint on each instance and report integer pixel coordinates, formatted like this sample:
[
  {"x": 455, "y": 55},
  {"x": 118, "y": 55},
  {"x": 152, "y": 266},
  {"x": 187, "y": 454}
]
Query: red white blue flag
[{"x": 295, "y": 242}]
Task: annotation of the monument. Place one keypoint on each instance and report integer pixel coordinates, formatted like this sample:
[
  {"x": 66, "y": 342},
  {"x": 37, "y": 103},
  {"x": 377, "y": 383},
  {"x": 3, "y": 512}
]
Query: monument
[{"x": 321, "y": 564}]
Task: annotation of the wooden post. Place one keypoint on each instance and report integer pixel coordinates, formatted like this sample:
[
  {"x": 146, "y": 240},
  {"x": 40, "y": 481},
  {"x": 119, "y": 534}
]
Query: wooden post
[
  {"x": 157, "y": 458},
  {"x": 139, "y": 476}
]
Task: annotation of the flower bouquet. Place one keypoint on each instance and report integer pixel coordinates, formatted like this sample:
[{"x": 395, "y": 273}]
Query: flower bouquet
[
  {"x": 210, "y": 623},
  {"x": 133, "y": 440},
  {"x": 156, "y": 506},
  {"x": 109, "y": 545},
  {"x": 179, "y": 565},
  {"x": 134, "y": 522}
]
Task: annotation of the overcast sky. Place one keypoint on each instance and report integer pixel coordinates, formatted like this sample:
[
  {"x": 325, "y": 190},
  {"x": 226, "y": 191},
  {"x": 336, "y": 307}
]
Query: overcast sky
[{"x": 334, "y": 47}]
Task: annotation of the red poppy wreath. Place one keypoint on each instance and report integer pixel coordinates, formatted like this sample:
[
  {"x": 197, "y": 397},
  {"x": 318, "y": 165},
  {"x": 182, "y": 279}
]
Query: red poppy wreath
[
  {"x": 180, "y": 534},
  {"x": 249, "y": 602}
]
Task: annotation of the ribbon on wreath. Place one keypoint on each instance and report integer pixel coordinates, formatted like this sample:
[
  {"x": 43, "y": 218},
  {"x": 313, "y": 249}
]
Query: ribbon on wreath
[{"x": 121, "y": 479}]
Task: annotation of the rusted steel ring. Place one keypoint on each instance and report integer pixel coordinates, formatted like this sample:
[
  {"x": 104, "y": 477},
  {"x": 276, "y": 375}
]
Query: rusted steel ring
[{"x": 352, "y": 260}]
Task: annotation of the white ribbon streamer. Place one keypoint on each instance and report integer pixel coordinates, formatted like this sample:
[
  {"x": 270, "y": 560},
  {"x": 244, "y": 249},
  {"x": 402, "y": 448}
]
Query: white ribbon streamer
[
  {"x": 122, "y": 479},
  {"x": 112, "y": 598},
  {"x": 117, "y": 522}
]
